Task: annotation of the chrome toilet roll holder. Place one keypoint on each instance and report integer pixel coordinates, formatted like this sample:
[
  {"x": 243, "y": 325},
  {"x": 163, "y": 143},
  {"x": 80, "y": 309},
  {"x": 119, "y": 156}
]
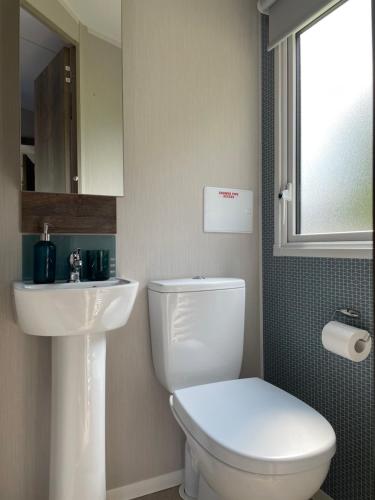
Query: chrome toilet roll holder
[{"x": 346, "y": 311}]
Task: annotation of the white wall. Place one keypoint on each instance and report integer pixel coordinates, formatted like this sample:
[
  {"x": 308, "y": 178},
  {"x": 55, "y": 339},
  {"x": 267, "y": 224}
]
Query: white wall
[{"x": 191, "y": 109}]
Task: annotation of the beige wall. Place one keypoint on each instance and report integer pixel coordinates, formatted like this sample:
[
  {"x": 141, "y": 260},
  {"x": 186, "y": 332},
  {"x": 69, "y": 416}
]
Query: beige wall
[
  {"x": 24, "y": 361},
  {"x": 191, "y": 111},
  {"x": 191, "y": 104}
]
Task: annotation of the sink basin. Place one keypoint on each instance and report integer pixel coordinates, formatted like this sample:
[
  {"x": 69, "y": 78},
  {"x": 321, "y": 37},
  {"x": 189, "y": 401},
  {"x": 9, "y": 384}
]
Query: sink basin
[
  {"x": 84, "y": 308},
  {"x": 77, "y": 316}
]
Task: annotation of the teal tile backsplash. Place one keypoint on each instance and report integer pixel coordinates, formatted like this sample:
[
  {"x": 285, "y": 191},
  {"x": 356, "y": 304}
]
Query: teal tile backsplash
[{"x": 64, "y": 245}]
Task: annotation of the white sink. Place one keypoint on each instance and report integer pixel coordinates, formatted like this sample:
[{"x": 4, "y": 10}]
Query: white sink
[
  {"x": 77, "y": 317},
  {"x": 83, "y": 308}
]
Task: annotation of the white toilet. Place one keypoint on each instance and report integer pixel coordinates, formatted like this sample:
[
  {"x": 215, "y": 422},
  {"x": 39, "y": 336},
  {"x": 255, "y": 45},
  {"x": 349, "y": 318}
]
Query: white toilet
[{"x": 246, "y": 439}]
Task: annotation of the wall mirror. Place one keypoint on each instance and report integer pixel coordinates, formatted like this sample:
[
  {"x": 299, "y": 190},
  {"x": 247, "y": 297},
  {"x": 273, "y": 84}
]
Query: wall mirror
[{"x": 71, "y": 98}]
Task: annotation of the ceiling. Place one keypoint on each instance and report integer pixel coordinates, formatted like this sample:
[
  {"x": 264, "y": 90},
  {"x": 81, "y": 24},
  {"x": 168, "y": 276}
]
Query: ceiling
[
  {"x": 38, "y": 46},
  {"x": 102, "y": 18}
]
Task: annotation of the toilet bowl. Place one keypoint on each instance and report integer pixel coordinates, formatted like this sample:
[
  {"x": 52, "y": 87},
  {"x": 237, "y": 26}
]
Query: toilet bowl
[
  {"x": 233, "y": 484},
  {"x": 245, "y": 438},
  {"x": 251, "y": 440}
]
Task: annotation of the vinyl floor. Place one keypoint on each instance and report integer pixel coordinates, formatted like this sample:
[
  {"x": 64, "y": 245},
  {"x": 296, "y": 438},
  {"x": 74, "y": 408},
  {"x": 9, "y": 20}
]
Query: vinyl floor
[{"x": 171, "y": 494}]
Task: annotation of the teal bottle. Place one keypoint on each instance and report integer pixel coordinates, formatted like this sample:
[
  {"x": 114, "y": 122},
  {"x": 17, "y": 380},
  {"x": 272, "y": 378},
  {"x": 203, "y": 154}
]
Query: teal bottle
[{"x": 44, "y": 259}]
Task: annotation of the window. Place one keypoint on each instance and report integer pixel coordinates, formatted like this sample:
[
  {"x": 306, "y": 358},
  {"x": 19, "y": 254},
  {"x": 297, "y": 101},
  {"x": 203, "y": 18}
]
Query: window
[{"x": 324, "y": 136}]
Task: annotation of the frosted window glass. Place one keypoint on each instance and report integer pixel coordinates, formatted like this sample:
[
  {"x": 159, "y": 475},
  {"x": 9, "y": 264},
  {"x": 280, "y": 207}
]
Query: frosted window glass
[{"x": 336, "y": 121}]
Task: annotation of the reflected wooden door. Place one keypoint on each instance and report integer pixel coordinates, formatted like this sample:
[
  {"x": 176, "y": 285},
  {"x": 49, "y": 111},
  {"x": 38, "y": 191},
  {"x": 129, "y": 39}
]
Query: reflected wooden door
[{"x": 55, "y": 125}]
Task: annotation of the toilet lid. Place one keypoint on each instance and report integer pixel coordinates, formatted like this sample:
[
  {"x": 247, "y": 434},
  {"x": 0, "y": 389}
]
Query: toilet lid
[{"x": 255, "y": 427}]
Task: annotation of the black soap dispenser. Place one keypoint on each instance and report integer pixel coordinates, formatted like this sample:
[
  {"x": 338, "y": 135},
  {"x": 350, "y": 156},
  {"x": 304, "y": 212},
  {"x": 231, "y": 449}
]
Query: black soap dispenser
[{"x": 44, "y": 259}]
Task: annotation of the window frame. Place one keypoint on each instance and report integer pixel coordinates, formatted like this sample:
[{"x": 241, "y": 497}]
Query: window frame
[{"x": 287, "y": 242}]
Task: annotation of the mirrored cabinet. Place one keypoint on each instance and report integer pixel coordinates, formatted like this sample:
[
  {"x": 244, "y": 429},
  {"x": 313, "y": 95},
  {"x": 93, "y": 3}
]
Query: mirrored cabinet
[{"x": 71, "y": 107}]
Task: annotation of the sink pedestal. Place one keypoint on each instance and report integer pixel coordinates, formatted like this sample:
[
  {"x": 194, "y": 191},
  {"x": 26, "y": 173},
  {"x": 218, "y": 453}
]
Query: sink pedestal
[{"x": 77, "y": 467}]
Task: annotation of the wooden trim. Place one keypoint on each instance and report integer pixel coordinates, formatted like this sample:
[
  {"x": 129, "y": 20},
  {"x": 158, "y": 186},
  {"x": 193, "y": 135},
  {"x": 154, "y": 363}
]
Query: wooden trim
[{"x": 68, "y": 213}]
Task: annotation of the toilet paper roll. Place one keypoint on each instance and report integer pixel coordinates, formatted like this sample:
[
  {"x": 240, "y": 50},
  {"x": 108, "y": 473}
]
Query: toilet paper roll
[{"x": 347, "y": 341}]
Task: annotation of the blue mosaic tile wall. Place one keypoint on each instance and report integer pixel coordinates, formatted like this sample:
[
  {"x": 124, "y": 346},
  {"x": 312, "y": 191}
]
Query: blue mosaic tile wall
[
  {"x": 64, "y": 246},
  {"x": 300, "y": 295}
]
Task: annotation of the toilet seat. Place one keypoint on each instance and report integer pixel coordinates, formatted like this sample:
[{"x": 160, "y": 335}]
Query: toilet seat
[{"x": 253, "y": 426}]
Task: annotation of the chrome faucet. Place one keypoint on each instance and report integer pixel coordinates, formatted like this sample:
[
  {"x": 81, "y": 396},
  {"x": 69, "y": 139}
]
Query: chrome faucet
[{"x": 75, "y": 262}]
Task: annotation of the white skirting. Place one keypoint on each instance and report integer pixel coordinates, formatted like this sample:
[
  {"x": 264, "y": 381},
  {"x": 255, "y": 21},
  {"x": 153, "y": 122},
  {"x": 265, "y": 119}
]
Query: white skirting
[{"x": 141, "y": 488}]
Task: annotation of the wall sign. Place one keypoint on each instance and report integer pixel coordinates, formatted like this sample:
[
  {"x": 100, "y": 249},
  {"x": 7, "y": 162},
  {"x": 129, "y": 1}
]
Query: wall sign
[{"x": 228, "y": 210}]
